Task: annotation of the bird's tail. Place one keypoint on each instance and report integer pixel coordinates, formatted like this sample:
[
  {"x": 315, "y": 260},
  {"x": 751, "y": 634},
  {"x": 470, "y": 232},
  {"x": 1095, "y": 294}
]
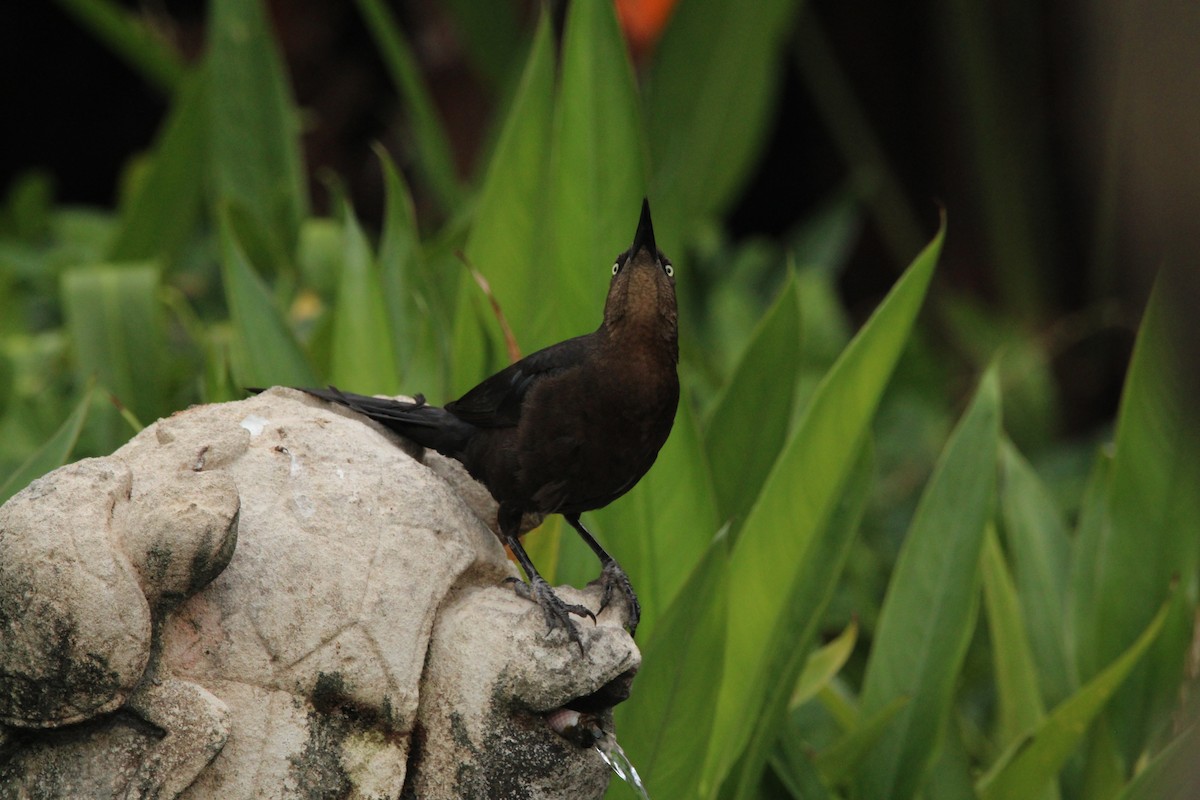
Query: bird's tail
[{"x": 428, "y": 426}]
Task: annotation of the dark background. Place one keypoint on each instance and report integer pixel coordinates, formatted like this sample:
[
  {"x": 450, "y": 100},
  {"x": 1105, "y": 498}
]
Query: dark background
[{"x": 1070, "y": 126}]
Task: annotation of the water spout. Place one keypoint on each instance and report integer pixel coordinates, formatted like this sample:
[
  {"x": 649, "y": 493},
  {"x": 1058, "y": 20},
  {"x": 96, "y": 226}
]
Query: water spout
[
  {"x": 616, "y": 759},
  {"x": 584, "y": 730}
]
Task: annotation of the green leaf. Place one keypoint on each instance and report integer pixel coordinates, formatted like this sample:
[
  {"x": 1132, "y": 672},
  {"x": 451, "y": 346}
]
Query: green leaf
[
  {"x": 1104, "y": 769},
  {"x": 7, "y": 382},
  {"x": 253, "y": 129},
  {"x": 596, "y": 179},
  {"x": 363, "y": 360},
  {"x": 952, "y": 773},
  {"x": 806, "y": 601},
  {"x": 1033, "y": 762},
  {"x": 841, "y": 760},
  {"x": 265, "y": 351},
  {"x": 823, "y": 665},
  {"x": 432, "y": 144},
  {"x": 163, "y": 209},
  {"x": 415, "y": 322},
  {"x": 665, "y": 725},
  {"x": 1037, "y": 540},
  {"x": 505, "y": 243},
  {"x": 1172, "y": 774},
  {"x": 117, "y": 330},
  {"x": 543, "y": 544},
  {"x": 796, "y": 502},
  {"x": 749, "y": 420},
  {"x": 795, "y": 770},
  {"x": 928, "y": 614},
  {"x": 1124, "y": 573},
  {"x": 51, "y": 455},
  {"x": 709, "y": 96},
  {"x": 1017, "y": 693}
]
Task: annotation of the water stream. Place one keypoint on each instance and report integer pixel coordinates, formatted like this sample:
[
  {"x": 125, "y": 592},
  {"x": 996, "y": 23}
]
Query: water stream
[
  {"x": 616, "y": 759},
  {"x": 585, "y": 730}
]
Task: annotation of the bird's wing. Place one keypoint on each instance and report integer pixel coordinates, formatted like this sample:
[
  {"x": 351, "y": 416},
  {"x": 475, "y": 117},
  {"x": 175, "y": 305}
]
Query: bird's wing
[{"x": 496, "y": 402}]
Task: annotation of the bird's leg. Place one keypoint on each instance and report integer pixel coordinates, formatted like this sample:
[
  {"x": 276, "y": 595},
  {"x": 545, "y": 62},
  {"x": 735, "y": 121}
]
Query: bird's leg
[
  {"x": 611, "y": 574},
  {"x": 557, "y": 612}
]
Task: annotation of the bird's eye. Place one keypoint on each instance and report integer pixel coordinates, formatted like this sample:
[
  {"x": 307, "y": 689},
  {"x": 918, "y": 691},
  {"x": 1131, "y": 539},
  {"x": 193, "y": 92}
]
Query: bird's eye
[
  {"x": 616, "y": 267},
  {"x": 667, "y": 268}
]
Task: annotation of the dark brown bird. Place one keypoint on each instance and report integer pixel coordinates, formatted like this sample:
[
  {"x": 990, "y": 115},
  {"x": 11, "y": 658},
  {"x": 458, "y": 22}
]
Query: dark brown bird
[{"x": 569, "y": 428}]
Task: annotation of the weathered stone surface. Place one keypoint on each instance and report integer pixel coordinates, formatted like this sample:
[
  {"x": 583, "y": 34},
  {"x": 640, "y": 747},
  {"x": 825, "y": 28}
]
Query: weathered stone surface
[
  {"x": 483, "y": 711},
  {"x": 270, "y": 598},
  {"x": 74, "y": 622}
]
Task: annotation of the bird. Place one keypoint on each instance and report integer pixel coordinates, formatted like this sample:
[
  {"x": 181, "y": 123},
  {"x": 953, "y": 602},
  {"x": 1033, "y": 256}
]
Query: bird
[{"x": 569, "y": 428}]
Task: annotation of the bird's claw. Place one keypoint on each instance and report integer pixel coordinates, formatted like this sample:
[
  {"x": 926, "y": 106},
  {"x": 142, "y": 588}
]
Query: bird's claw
[
  {"x": 556, "y": 612},
  {"x": 612, "y": 577}
]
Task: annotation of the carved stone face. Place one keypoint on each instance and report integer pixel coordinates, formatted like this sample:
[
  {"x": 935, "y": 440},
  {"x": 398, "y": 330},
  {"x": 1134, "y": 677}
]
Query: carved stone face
[{"x": 358, "y": 639}]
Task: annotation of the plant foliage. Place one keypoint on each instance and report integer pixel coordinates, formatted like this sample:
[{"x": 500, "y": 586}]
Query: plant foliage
[{"x": 995, "y": 643}]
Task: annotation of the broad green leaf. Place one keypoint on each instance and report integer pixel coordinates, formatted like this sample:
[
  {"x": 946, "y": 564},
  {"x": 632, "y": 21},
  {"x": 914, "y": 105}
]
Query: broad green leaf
[
  {"x": 7, "y": 382},
  {"x": 661, "y": 528},
  {"x": 822, "y": 665},
  {"x": 414, "y": 321},
  {"x": 665, "y": 725},
  {"x": 1153, "y": 512},
  {"x": 841, "y": 704},
  {"x": 51, "y": 455},
  {"x": 163, "y": 209},
  {"x": 1172, "y": 774},
  {"x": 952, "y": 772},
  {"x": 749, "y": 420},
  {"x": 117, "y": 329},
  {"x": 839, "y": 762},
  {"x": 253, "y": 128},
  {"x": 804, "y": 608},
  {"x": 542, "y": 545},
  {"x": 1091, "y": 529},
  {"x": 596, "y": 179},
  {"x": 506, "y": 243},
  {"x": 1032, "y": 763},
  {"x": 1017, "y": 693},
  {"x": 797, "y": 773},
  {"x": 432, "y": 144},
  {"x": 131, "y": 38},
  {"x": 928, "y": 614},
  {"x": 1040, "y": 550},
  {"x": 796, "y": 502},
  {"x": 709, "y": 95},
  {"x": 363, "y": 360},
  {"x": 1103, "y": 767},
  {"x": 265, "y": 350}
]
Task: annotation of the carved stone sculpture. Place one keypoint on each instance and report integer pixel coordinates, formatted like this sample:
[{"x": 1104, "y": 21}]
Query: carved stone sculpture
[{"x": 271, "y": 599}]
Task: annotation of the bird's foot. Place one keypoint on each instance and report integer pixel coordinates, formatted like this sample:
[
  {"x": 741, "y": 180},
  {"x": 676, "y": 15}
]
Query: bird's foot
[
  {"x": 614, "y": 579},
  {"x": 557, "y": 613}
]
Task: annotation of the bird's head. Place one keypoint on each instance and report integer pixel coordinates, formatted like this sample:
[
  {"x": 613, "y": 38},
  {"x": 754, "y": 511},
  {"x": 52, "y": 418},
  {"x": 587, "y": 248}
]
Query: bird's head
[{"x": 642, "y": 291}]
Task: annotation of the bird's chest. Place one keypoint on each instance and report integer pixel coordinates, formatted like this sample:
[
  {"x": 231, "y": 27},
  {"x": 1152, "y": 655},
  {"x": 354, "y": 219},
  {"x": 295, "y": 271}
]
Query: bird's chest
[
  {"x": 604, "y": 423},
  {"x": 626, "y": 402}
]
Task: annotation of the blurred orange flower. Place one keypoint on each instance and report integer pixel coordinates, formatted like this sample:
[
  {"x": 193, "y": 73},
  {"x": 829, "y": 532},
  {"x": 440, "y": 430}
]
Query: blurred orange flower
[{"x": 642, "y": 22}]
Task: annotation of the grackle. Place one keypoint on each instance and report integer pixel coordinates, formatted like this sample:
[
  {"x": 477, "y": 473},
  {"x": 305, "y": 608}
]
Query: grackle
[{"x": 569, "y": 428}]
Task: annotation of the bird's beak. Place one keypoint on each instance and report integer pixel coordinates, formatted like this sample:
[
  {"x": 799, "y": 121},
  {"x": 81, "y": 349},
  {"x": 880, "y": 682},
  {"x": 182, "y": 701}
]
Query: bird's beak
[{"x": 644, "y": 238}]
